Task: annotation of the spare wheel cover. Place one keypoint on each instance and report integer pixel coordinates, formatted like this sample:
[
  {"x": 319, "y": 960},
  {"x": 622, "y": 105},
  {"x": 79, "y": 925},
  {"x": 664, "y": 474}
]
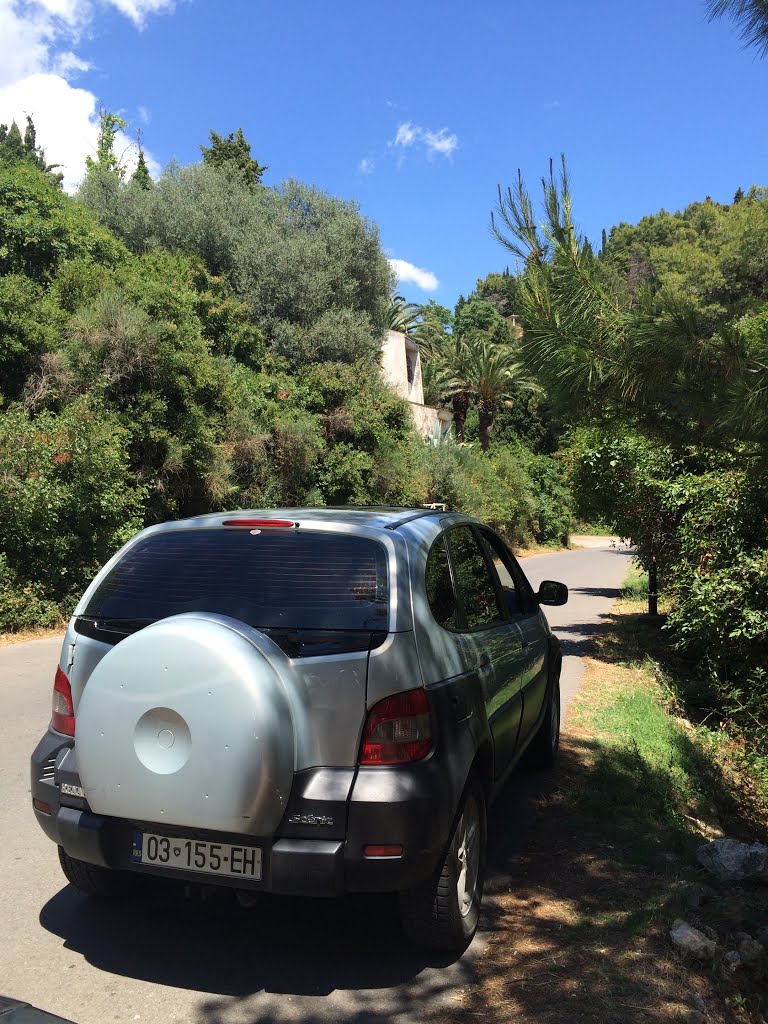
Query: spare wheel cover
[{"x": 187, "y": 723}]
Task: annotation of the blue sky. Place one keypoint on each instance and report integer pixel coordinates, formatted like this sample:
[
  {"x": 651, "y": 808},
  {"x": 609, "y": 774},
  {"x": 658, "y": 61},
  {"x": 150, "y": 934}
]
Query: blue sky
[{"x": 416, "y": 110}]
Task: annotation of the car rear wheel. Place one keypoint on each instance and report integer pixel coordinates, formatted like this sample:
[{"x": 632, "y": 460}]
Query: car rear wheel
[
  {"x": 90, "y": 878},
  {"x": 442, "y": 913}
]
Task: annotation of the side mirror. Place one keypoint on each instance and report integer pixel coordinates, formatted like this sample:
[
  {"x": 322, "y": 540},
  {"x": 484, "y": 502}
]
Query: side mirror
[{"x": 552, "y": 593}]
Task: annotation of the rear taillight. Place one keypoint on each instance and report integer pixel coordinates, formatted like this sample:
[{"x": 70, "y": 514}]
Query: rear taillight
[
  {"x": 63, "y": 717},
  {"x": 398, "y": 730}
]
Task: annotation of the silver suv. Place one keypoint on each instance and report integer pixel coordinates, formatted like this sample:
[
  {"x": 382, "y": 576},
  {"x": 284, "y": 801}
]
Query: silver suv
[{"x": 301, "y": 701}]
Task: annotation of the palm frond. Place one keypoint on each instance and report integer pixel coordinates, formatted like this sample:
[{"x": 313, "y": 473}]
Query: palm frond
[
  {"x": 402, "y": 316},
  {"x": 750, "y": 15}
]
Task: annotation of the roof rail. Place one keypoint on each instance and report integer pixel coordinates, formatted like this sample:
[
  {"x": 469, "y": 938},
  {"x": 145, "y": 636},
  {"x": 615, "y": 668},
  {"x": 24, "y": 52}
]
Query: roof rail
[{"x": 418, "y": 514}]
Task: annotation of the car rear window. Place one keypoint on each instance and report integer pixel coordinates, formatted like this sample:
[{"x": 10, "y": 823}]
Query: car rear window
[{"x": 295, "y": 580}]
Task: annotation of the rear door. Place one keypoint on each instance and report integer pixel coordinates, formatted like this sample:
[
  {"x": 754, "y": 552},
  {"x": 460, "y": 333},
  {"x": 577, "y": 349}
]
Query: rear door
[
  {"x": 491, "y": 642},
  {"x": 525, "y": 612}
]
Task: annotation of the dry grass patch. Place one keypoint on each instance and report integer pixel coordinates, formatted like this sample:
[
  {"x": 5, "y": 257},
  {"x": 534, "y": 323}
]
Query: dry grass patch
[{"x": 6, "y": 639}]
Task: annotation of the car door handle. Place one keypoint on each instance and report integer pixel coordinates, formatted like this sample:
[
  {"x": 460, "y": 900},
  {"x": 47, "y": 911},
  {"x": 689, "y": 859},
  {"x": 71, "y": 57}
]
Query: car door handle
[{"x": 485, "y": 661}]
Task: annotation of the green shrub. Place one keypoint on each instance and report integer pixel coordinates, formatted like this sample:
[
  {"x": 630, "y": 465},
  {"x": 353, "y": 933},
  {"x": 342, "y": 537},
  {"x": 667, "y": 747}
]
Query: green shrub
[
  {"x": 67, "y": 500},
  {"x": 25, "y": 604},
  {"x": 521, "y": 495}
]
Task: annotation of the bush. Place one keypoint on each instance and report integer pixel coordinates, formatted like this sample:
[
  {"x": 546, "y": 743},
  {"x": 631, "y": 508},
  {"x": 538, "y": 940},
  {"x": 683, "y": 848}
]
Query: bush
[
  {"x": 67, "y": 500},
  {"x": 519, "y": 494},
  {"x": 25, "y": 605}
]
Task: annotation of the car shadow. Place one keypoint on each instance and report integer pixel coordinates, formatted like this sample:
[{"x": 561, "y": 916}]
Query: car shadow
[{"x": 282, "y": 945}]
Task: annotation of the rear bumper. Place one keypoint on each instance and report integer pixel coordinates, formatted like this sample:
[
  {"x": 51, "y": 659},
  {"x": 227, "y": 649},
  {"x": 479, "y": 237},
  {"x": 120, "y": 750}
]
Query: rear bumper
[{"x": 404, "y": 806}]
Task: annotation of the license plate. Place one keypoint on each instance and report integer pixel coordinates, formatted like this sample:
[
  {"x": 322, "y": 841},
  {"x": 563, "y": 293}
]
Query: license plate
[{"x": 196, "y": 855}]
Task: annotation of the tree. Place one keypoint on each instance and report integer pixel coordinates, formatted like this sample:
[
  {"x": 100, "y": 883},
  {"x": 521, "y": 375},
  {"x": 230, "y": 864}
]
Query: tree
[
  {"x": 106, "y": 159},
  {"x": 439, "y": 314},
  {"x": 475, "y": 315},
  {"x": 750, "y": 15},
  {"x": 490, "y": 373},
  {"x": 141, "y": 175},
  {"x": 444, "y": 377},
  {"x": 12, "y": 147},
  {"x": 675, "y": 378},
  {"x": 234, "y": 153},
  {"x": 500, "y": 290},
  {"x": 40, "y": 226},
  {"x": 431, "y": 333},
  {"x": 671, "y": 359}
]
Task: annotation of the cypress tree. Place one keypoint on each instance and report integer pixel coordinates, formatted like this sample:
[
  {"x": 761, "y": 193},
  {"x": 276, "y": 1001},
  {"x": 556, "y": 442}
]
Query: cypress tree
[{"x": 141, "y": 175}]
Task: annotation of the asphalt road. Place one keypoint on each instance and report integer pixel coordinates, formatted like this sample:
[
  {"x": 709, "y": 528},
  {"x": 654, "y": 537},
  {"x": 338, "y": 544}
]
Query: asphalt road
[{"x": 160, "y": 959}]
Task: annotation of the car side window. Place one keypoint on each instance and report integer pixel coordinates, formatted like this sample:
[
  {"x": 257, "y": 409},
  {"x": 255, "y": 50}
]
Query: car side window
[
  {"x": 440, "y": 593},
  {"x": 515, "y": 587},
  {"x": 474, "y": 582}
]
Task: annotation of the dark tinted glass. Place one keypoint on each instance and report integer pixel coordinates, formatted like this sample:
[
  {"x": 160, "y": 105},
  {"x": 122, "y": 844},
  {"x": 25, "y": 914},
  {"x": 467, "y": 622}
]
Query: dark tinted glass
[
  {"x": 440, "y": 593},
  {"x": 513, "y": 583},
  {"x": 293, "y": 580},
  {"x": 473, "y": 579}
]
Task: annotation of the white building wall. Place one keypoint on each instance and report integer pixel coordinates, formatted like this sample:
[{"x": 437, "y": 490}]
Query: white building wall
[{"x": 397, "y": 352}]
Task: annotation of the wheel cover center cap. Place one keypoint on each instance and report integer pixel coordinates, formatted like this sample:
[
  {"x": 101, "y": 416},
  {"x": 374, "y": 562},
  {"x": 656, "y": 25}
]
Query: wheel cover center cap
[{"x": 165, "y": 738}]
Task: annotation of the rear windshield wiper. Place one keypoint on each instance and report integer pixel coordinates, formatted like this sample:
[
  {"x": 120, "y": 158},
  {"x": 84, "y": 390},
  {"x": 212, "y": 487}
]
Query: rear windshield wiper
[{"x": 108, "y": 628}]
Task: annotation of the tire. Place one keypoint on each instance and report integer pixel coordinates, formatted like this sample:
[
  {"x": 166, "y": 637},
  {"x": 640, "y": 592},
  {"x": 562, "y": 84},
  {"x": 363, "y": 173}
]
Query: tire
[
  {"x": 542, "y": 750},
  {"x": 91, "y": 879},
  {"x": 442, "y": 913}
]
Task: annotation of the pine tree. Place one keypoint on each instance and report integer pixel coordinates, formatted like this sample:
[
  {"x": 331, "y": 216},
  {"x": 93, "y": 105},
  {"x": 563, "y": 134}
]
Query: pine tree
[
  {"x": 234, "y": 152},
  {"x": 141, "y": 175},
  {"x": 30, "y": 138},
  {"x": 12, "y": 145},
  {"x": 751, "y": 16}
]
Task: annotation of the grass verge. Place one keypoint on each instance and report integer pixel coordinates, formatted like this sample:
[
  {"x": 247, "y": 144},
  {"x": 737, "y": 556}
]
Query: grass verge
[{"x": 579, "y": 917}]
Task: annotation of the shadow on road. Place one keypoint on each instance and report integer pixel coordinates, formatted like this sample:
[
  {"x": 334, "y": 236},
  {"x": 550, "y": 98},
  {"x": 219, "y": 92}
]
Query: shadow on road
[
  {"x": 610, "y": 592},
  {"x": 285, "y": 945},
  {"x": 578, "y": 640}
]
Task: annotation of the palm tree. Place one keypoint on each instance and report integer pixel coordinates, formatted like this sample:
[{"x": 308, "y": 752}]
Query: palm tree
[
  {"x": 475, "y": 367},
  {"x": 750, "y": 15},
  {"x": 402, "y": 316},
  {"x": 443, "y": 372}
]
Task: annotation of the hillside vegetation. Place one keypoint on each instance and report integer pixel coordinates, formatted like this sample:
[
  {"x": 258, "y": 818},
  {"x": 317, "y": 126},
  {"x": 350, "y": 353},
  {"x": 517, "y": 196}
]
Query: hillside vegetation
[{"x": 202, "y": 343}]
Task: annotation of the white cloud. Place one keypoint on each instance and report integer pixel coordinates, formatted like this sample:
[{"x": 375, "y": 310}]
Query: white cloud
[
  {"x": 407, "y": 273},
  {"x": 367, "y": 165},
  {"x": 65, "y": 119},
  {"x": 408, "y": 134},
  {"x": 440, "y": 142},
  {"x": 68, "y": 64},
  {"x": 37, "y": 70},
  {"x": 137, "y": 10}
]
